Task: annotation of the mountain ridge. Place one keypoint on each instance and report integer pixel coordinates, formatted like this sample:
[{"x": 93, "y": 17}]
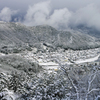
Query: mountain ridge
[{"x": 19, "y": 35}]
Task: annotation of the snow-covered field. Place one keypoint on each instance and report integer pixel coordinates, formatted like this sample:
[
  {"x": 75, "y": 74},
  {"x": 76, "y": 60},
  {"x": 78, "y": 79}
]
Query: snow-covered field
[{"x": 87, "y": 60}]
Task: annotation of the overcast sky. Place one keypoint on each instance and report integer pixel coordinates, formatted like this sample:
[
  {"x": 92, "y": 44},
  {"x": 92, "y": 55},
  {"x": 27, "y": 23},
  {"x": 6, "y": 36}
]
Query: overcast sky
[{"x": 57, "y": 13}]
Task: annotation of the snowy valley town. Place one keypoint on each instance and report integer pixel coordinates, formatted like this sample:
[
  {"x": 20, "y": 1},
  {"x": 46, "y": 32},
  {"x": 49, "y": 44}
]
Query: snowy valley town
[
  {"x": 49, "y": 49},
  {"x": 53, "y": 75}
]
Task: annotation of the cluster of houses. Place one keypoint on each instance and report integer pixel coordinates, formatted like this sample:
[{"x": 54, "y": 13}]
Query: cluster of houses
[{"x": 48, "y": 59}]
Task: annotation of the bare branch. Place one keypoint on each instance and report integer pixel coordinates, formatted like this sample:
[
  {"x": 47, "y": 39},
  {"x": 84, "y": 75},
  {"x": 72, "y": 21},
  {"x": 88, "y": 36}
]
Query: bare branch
[
  {"x": 75, "y": 87},
  {"x": 91, "y": 80},
  {"x": 94, "y": 90}
]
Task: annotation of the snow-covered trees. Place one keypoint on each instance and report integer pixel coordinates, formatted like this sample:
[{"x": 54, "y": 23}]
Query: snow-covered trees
[
  {"x": 26, "y": 80},
  {"x": 85, "y": 83}
]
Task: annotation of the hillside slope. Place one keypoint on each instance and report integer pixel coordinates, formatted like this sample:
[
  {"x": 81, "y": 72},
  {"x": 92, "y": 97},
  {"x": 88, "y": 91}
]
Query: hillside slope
[{"x": 18, "y": 35}]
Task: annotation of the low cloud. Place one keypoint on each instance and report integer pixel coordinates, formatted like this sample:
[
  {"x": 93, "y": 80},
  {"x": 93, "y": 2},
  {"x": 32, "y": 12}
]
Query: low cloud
[
  {"x": 60, "y": 18},
  {"x": 37, "y": 14},
  {"x": 89, "y": 15},
  {"x": 42, "y": 13},
  {"x": 57, "y": 13},
  {"x": 6, "y": 14}
]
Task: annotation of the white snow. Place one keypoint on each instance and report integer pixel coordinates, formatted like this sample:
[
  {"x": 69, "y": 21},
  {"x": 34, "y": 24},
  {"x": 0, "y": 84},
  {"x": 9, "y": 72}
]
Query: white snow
[
  {"x": 2, "y": 54},
  {"x": 49, "y": 64},
  {"x": 50, "y": 67},
  {"x": 87, "y": 60}
]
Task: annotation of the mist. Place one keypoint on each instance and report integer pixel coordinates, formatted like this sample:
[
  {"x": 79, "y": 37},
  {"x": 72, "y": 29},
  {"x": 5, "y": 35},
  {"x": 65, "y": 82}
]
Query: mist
[
  {"x": 59, "y": 14},
  {"x": 6, "y": 14},
  {"x": 42, "y": 13}
]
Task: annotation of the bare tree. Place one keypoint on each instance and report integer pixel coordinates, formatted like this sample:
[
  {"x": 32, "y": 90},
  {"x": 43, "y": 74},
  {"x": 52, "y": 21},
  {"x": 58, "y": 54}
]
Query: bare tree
[{"x": 91, "y": 80}]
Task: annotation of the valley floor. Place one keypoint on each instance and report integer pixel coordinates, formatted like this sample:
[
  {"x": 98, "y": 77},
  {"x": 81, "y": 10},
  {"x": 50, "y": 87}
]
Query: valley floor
[
  {"x": 49, "y": 59},
  {"x": 65, "y": 75}
]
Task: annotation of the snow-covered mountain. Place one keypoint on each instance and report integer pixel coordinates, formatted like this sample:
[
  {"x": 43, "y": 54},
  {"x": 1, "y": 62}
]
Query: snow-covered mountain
[
  {"x": 88, "y": 30},
  {"x": 18, "y": 35}
]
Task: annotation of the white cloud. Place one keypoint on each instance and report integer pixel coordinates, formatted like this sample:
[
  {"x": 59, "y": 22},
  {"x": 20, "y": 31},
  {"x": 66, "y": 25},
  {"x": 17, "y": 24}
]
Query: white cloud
[
  {"x": 60, "y": 18},
  {"x": 57, "y": 13},
  {"x": 37, "y": 14},
  {"x": 40, "y": 14},
  {"x": 6, "y": 14},
  {"x": 89, "y": 15}
]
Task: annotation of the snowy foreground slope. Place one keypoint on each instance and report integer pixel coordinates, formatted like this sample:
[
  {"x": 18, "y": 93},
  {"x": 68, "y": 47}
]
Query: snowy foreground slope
[{"x": 32, "y": 75}]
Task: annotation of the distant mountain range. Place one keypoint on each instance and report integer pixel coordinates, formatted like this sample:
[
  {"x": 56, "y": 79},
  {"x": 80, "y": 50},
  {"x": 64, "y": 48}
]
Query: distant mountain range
[
  {"x": 16, "y": 35},
  {"x": 88, "y": 30}
]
